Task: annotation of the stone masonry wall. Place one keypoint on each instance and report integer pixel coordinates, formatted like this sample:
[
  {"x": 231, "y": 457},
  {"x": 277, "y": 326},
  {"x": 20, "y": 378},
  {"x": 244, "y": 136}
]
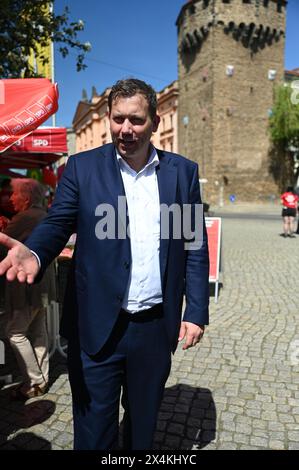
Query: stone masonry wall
[{"x": 227, "y": 131}]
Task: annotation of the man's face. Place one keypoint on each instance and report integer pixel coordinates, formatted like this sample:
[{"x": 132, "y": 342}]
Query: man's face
[
  {"x": 19, "y": 201},
  {"x": 131, "y": 126}
]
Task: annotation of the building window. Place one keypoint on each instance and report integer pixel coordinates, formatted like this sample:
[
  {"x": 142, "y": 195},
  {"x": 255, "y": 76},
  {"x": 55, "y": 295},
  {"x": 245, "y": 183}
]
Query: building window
[{"x": 171, "y": 121}]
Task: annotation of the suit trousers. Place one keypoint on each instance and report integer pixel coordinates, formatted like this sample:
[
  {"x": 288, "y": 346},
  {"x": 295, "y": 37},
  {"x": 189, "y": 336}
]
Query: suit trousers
[
  {"x": 135, "y": 360},
  {"x": 26, "y": 330}
]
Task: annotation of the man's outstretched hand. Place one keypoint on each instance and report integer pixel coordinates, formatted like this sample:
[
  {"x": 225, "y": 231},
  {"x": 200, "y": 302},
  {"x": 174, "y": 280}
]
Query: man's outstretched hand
[{"x": 19, "y": 263}]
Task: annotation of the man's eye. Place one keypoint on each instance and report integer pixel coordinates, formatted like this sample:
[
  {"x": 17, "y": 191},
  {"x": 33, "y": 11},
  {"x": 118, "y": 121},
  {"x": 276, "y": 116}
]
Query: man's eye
[
  {"x": 137, "y": 121},
  {"x": 118, "y": 120}
]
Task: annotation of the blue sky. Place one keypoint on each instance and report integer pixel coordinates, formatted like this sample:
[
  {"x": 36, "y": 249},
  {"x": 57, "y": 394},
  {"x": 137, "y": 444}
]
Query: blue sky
[{"x": 132, "y": 38}]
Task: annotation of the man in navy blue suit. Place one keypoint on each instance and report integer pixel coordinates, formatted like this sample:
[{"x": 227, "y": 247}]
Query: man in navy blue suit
[{"x": 130, "y": 270}]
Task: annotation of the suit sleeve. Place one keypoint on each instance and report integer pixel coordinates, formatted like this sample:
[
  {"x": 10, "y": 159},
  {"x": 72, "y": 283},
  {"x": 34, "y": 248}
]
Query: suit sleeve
[
  {"x": 197, "y": 265},
  {"x": 51, "y": 236}
]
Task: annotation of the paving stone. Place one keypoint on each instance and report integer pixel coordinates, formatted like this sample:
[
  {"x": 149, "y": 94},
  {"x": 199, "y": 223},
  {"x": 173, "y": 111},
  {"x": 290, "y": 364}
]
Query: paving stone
[
  {"x": 276, "y": 445},
  {"x": 241, "y": 438},
  {"x": 285, "y": 418},
  {"x": 253, "y": 413},
  {"x": 63, "y": 439},
  {"x": 226, "y": 436},
  {"x": 65, "y": 417},
  {"x": 173, "y": 442},
  {"x": 229, "y": 446},
  {"x": 181, "y": 418},
  {"x": 293, "y": 436},
  {"x": 259, "y": 442},
  {"x": 175, "y": 428},
  {"x": 293, "y": 446}
]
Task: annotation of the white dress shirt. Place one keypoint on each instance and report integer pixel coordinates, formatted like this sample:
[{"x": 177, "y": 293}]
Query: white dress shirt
[{"x": 142, "y": 193}]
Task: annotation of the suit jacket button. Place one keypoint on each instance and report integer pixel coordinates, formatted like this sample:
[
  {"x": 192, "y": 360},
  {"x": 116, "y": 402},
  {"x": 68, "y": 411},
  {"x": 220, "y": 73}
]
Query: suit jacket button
[
  {"x": 126, "y": 264},
  {"x": 119, "y": 297}
]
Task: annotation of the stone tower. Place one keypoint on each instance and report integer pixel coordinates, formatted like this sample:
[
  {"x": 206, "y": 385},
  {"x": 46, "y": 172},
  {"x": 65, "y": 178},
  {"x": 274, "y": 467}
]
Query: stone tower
[{"x": 231, "y": 55}]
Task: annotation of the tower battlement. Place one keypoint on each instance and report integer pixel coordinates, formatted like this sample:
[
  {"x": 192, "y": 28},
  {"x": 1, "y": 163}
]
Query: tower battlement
[{"x": 230, "y": 53}]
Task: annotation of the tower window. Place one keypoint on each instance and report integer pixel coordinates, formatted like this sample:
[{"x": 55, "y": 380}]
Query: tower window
[
  {"x": 246, "y": 1},
  {"x": 225, "y": 1},
  {"x": 279, "y": 7},
  {"x": 266, "y": 3}
]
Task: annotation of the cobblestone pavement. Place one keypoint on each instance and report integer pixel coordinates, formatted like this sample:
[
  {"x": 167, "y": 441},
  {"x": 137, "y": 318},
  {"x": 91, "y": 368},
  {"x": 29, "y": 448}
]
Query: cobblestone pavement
[{"x": 238, "y": 389}]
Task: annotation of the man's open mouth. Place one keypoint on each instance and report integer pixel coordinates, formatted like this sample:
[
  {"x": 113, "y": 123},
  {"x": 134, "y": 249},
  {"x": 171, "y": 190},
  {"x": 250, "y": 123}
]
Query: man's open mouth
[{"x": 128, "y": 143}]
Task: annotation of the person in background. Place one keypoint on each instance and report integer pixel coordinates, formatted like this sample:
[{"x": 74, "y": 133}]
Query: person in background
[
  {"x": 289, "y": 201},
  {"x": 24, "y": 304},
  {"x": 6, "y": 206}
]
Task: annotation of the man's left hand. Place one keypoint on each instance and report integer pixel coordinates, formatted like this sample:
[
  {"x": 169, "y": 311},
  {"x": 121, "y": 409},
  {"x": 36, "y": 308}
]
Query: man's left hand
[{"x": 192, "y": 332}]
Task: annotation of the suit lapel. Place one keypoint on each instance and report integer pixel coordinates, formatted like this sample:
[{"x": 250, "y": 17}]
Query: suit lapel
[{"x": 167, "y": 183}]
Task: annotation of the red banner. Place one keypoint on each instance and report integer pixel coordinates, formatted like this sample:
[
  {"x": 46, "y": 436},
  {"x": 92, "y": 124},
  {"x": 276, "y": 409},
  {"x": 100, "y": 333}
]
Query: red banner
[
  {"x": 43, "y": 140},
  {"x": 25, "y": 103},
  {"x": 213, "y": 225}
]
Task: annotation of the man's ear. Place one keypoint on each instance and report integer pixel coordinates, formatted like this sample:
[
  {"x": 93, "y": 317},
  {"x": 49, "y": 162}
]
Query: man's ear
[
  {"x": 27, "y": 202},
  {"x": 156, "y": 122}
]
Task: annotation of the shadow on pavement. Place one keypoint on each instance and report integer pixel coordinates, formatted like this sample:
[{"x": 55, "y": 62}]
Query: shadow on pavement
[
  {"x": 187, "y": 418},
  {"x": 16, "y": 416},
  {"x": 26, "y": 441}
]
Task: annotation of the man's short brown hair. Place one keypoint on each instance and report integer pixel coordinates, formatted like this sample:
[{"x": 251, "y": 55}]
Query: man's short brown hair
[{"x": 130, "y": 87}]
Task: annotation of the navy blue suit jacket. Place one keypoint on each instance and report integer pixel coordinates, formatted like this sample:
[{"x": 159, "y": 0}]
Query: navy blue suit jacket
[{"x": 100, "y": 268}]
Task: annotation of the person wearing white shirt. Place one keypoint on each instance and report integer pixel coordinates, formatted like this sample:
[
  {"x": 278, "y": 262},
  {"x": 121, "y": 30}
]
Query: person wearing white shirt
[{"x": 123, "y": 306}]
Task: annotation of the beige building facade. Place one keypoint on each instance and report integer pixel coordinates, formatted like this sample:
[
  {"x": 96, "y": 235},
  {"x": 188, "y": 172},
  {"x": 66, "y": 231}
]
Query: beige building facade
[
  {"x": 91, "y": 122},
  {"x": 166, "y": 137}
]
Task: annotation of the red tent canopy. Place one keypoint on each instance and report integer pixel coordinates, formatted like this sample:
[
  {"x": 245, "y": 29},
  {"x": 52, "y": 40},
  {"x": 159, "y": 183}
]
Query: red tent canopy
[
  {"x": 42, "y": 147},
  {"x": 25, "y": 103}
]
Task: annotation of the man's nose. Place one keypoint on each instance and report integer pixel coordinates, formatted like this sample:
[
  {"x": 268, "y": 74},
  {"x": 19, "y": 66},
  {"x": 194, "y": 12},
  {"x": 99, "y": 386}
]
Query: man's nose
[{"x": 126, "y": 127}]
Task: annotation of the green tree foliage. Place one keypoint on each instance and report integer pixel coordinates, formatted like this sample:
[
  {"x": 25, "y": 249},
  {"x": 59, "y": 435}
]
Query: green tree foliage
[
  {"x": 24, "y": 25},
  {"x": 284, "y": 122},
  {"x": 284, "y": 131}
]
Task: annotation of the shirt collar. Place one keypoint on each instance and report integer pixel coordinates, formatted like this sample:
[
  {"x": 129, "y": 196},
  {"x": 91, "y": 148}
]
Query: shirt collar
[{"x": 152, "y": 161}]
